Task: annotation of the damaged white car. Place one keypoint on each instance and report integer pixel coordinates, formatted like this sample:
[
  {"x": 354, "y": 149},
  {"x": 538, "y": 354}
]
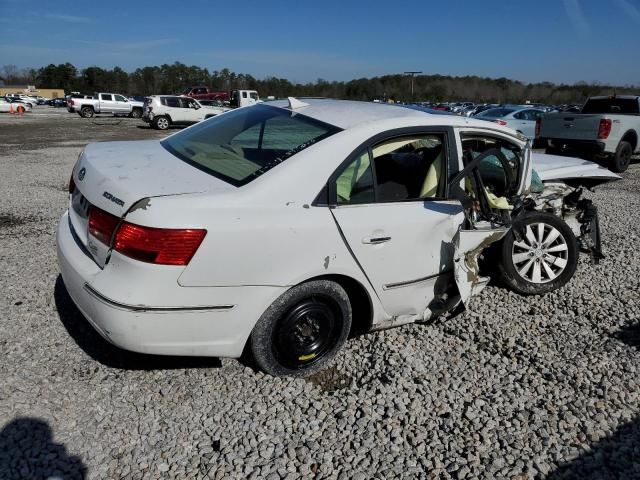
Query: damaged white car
[{"x": 283, "y": 227}]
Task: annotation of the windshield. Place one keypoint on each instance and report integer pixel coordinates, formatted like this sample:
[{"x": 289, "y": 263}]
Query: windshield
[
  {"x": 611, "y": 105},
  {"x": 496, "y": 112},
  {"x": 241, "y": 145}
]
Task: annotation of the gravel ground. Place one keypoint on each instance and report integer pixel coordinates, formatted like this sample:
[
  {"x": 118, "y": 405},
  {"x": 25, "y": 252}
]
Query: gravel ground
[{"x": 517, "y": 388}]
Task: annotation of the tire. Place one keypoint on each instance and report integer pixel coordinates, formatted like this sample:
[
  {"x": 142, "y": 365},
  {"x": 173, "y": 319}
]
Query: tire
[
  {"x": 136, "y": 113},
  {"x": 303, "y": 330},
  {"x": 161, "y": 122},
  {"x": 622, "y": 157},
  {"x": 534, "y": 265},
  {"x": 86, "y": 112}
]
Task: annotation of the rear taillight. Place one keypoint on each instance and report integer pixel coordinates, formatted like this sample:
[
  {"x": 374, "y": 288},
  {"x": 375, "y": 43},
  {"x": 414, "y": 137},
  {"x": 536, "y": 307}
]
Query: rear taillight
[
  {"x": 164, "y": 246},
  {"x": 538, "y": 125},
  {"x": 150, "y": 109},
  {"x": 102, "y": 225},
  {"x": 72, "y": 184},
  {"x": 500, "y": 122},
  {"x": 604, "y": 129}
]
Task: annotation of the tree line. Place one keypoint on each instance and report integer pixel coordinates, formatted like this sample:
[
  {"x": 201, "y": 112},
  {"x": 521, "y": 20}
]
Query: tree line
[{"x": 173, "y": 78}]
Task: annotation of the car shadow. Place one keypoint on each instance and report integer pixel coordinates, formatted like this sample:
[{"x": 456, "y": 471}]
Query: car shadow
[
  {"x": 613, "y": 457},
  {"x": 109, "y": 355},
  {"x": 27, "y": 450},
  {"x": 629, "y": 334}
]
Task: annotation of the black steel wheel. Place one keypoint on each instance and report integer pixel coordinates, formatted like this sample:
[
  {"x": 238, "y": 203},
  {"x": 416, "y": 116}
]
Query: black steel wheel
[{"x": 302, "y": 331}]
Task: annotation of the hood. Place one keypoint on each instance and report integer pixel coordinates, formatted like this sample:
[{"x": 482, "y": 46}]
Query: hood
[
  {"x": 115, "y": 175},
  {"x": 555, "y": 167}
]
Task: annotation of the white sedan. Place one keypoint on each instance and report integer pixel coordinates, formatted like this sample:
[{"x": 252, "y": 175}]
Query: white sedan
[
  {"x": 284, "y": 226},
  {"x": 7, "y": 106}
]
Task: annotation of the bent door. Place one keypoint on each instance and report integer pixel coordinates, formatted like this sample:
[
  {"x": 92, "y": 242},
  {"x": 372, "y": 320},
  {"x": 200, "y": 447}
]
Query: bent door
[
  {"x": 389, "y": 204},
  {"x": 496, "y": 175}
]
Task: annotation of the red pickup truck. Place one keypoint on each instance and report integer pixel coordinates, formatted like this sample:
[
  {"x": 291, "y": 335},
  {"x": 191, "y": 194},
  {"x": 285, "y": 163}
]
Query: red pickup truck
[{"x": 205, "y": 93}]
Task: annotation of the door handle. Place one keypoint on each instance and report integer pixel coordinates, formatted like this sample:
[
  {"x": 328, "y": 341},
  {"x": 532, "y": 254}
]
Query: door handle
[{"x": 375, "y": 240}]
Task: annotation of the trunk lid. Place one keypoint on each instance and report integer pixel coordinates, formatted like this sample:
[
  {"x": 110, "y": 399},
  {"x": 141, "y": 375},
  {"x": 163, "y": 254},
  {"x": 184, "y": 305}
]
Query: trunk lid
[{"x": 113, "y": 176}]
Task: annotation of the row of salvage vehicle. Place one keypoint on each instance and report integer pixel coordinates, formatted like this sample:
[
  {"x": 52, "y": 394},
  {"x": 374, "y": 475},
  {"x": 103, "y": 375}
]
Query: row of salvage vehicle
[
  {"x": 282, "y": 228},
  {"x": 163, "y": 111}
]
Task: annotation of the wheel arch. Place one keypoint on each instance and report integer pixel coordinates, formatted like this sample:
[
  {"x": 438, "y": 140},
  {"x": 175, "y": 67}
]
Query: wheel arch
[
  {"x": 632, "y": 137},
  {"x": 361, "y": 304}
]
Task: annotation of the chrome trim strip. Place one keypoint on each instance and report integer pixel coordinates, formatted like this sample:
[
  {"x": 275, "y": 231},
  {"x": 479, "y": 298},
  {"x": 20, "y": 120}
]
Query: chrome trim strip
[
  {"x": 412, "y": 282},
  {"x": 143, "y": 308}
]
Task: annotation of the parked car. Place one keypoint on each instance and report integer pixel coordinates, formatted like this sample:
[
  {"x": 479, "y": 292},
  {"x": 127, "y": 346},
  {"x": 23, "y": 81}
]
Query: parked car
[
  {"x": 57, "y": 102},
  {"x": 521, "y": 119},
  {"x": 18, "y": 106},
  {"x": 162, "y": 111},
  {"x": 607, "y": 128},
  {"x": 18, "y": 103},
  {"x": 281, "y": 226},
  {"x": 106, "y": 103}
]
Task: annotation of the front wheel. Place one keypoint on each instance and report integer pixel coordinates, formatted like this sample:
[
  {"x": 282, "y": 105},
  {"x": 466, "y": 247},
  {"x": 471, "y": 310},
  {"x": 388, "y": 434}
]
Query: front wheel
[
  {"x": 622, "y": 157},
  {"x": 302, "y": 331},
  {"x": 538, "y": 255}
]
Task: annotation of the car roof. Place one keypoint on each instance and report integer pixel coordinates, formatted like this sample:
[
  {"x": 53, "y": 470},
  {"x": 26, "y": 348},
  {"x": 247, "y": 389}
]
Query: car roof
[{"x": 347, "y": 114}]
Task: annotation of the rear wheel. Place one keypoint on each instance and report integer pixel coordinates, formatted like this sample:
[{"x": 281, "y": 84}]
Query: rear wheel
[
  {"x": 161, "y": 123},
  {"x": 136, "y": 113},
  {"x": 622, "y": 157},
  {"x": 86, "y": 112},
  {"x": 301, "y": 332},
  {"x": 542, "y": 259}
]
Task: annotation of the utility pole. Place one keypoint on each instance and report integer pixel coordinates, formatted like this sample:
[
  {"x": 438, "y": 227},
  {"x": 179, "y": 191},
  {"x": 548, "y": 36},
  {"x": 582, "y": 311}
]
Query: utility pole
[{"x": 413, "y": 74}]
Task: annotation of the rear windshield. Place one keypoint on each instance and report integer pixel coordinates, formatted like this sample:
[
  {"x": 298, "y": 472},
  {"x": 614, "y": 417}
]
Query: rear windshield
[
  {"x": 496, "y": 112},
  {"x": 241, "y": 145},
  {"x": 611, "y": 105}
]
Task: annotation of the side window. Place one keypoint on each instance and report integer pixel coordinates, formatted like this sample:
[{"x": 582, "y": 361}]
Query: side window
[
  {"x": 106, "y": 97},
  {"x": 254, "y": 95},
  {"x": 120, "y": 98},
  {"x": 244, "y": 94},
  {"x": 355, "y": 183},
  {"x": 520, "y": 116},
  {"x": 173, "y": 102},
  {"x": 410, "y": 168}
]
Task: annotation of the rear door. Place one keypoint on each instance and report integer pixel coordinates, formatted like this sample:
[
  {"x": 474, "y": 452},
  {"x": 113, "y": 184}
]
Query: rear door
[
  {"x": 107, "y": 103},
  {"x": 389, "y": 202},
  {"x": 122, "y": 105}
]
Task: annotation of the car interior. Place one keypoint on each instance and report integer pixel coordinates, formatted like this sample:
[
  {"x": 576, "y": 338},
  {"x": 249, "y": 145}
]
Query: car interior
[{"x": 406, "y": 168}]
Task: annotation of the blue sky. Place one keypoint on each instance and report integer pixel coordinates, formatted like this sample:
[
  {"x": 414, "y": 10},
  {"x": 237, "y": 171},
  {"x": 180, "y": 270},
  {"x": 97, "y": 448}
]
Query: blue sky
[{"x": 529, "y": 40}]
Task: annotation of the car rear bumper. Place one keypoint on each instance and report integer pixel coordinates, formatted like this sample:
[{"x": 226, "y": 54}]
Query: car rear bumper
[
  {"x": 583, "y": 146},
  {"x": 194, "y": 321}
]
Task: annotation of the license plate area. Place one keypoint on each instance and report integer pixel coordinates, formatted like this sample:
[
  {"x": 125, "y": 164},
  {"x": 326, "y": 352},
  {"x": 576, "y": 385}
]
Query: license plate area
[{"x": 80, "y": 204}]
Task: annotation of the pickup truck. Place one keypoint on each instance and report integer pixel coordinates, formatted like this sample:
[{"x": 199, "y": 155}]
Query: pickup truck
[
  {"x": 607, "y": 127},
  {"x": 205, "y": 93},
  {"x": 106, "y": 103}
]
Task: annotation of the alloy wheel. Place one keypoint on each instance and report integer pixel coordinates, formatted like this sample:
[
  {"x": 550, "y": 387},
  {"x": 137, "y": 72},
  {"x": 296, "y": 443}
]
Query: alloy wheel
[{"x": 542, "y": 253}]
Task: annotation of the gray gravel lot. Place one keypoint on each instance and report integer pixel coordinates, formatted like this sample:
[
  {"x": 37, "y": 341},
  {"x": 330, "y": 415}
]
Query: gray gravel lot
[{"x": 517, "y": 388}]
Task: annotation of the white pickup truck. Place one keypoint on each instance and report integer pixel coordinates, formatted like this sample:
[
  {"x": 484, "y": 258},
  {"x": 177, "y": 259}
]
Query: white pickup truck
[
  {"x": 607, "y": 127},
  {"x": 113, "y": 103}
]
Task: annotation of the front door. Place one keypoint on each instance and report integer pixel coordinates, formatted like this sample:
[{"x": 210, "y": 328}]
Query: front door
[{"x": 391, "y": 209}]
